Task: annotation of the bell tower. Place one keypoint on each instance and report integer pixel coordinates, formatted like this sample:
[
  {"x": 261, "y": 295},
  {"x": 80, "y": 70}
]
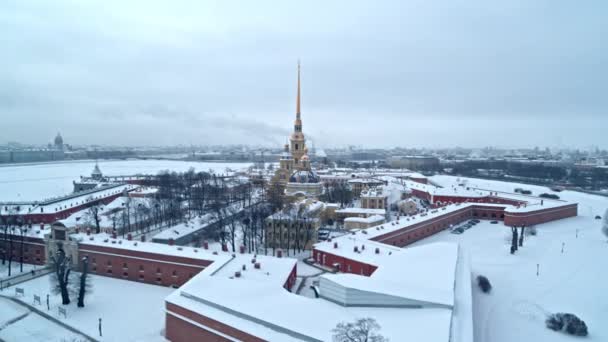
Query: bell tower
[{"x": 298, "y": 142}]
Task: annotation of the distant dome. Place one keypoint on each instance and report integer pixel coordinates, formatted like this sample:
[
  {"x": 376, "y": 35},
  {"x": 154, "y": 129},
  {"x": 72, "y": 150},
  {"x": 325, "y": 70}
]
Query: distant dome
[
  {"x": 304, "y": 177},
  {"x": 58, "y": 139},
  {"x": 305, "y": 157}
]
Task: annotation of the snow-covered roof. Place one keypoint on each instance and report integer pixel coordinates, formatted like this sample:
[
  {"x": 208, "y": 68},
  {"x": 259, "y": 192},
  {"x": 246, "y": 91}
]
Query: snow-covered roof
[
  {"x": 370, "y": 219},
  {"x": 185, "y": 228},
  {"x": 105, "y": 240},
  {"x": 307, "y": 208},
  {"x": 378, "y": 191},
  {"x": 366, "y": 181},
  {"x": 265, "y": 309},
  {"x": 423, "y": 274},
  {"x": 61, "y": 203},
  {"x": 361, "y": 211}
]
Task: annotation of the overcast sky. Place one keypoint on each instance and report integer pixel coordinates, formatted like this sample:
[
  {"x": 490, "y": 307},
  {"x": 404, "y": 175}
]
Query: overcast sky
[{"x": 374, "y": 73}]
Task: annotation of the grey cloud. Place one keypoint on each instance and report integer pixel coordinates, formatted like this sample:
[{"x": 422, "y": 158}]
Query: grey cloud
[{"x": 386, "y": 73}]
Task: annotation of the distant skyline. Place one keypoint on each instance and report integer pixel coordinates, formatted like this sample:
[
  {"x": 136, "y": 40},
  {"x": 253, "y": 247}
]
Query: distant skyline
[{"x": 377, "y": 74}]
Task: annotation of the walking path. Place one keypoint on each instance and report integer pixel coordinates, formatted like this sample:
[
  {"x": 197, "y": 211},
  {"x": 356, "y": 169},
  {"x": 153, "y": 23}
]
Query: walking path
[
  {"x": 23, "y": 277},
  {"x": 306, "y": 277},
  {"x": 31, "y": 309}
]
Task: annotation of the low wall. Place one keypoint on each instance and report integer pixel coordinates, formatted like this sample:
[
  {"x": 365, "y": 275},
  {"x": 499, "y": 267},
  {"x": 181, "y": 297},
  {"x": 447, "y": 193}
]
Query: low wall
[
  {"x": 151, "y": 268},
  {"x": 530, "y": 218}
]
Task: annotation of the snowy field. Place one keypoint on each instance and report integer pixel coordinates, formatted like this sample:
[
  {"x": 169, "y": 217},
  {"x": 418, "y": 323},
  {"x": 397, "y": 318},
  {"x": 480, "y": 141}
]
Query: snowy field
[
  {"x": 18, "y": 323},
  {"x": 573, "y": 281},
  {"x": 21, "y": 182},
  {"x": 15, "y": 269},
  {"x": 130, "y": 311}
]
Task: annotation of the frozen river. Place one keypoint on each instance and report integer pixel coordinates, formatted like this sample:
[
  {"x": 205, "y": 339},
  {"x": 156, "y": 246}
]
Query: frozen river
[{"x": 39, "y": 181}]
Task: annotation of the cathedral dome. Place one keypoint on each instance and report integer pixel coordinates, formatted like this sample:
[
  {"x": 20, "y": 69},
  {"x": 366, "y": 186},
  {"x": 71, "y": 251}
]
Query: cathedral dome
[
  {"x": 304, "y": 176},
  {"x": 58, "y": 140}
]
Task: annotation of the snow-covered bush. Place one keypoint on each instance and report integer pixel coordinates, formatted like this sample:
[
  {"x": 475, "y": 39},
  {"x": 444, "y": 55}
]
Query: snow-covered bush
[
  {"x": 484, "y": 284},
  {"x": 546, "y": 195},
  {"x": 567, "y": 322}
]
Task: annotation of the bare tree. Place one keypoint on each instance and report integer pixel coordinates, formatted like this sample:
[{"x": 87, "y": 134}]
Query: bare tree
[
  {"x": 232, "y": 223},
  {"x": 513, "y": 240},
  {"x": 61, "y": 264},
  {"x": 4, "y": 239},
  {"x": 275, "y": 196},
  {"x": 85, "y": 283},
  {"x": 362, "y": 330},
  {"x": 92, "y": 215}
]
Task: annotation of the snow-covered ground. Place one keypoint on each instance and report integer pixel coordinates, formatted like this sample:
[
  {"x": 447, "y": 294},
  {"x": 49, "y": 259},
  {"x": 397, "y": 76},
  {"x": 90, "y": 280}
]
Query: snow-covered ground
[
  {"x": 15, "y": 269},
  {"x": 130, "y": 311},
  {"x": 573, "y": 281},
  {"x": 18, "y": 323},
  {"x": 20, "y": 182}
]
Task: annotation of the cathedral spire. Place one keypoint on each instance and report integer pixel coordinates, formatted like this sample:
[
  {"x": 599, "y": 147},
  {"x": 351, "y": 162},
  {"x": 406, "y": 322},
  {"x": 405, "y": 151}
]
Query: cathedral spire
[
  {"x": 298, "y": 98},
  {"x": 298, "y": 124}
]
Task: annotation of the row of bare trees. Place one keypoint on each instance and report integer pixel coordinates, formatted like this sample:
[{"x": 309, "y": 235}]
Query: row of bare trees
[
  {"x": 227, "y": 205},
  {"x": 337, "y": 193},
  {"x": 13, "y": 234},
  {"x": 65, "y": 282}
]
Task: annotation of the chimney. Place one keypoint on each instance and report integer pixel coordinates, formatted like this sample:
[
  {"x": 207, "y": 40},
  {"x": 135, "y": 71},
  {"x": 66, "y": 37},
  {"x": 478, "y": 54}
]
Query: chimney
[
  {"x": 237, "y": 274},
  {"x": 335, "y": 244},
  {"x": 113, "y": 235},
  {"x": 171, "y": 242},
  {"x": 257, "y": 265},
  {"x": 356, "y": 249},
  {"x": 143, "y": 238},
  {"x": 377, "y": 250},
  {"x": 88, "y": 231},
  {"x": 362, "y": 247},
  {"x": 242, "y": 249},
  {"x": 206, "y": 244},
  {"x": 244, "y": 267},
  {"x": 224, "y": 247},
  {"x": 129, "y": 237},
  {"x": 279, "y": 253}
]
